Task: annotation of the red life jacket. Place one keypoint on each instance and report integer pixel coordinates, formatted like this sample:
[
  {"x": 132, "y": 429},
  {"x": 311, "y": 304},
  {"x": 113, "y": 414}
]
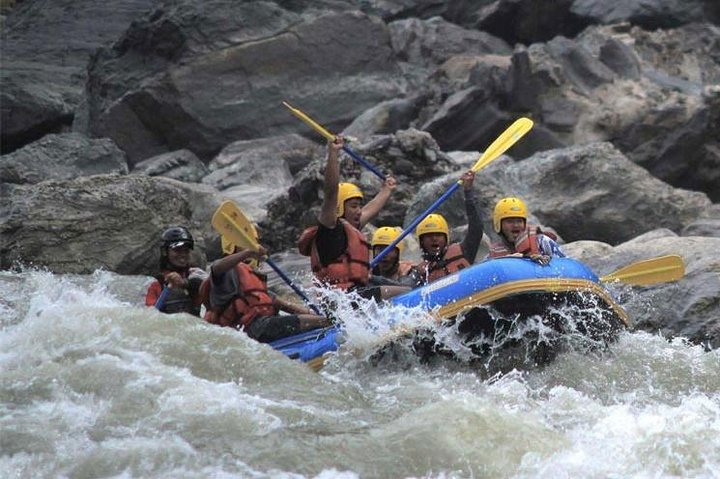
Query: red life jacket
[
  {"x": 452, "y": 261},
  {"x": 526, "y": 243},
  {"x": 252, "y": 300},
  {"x": 350, "y": 268},
  {"x": 177, "y": 300}
]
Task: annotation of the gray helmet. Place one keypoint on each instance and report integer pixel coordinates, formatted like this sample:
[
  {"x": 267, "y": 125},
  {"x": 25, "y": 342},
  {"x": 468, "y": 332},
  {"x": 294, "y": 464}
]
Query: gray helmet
[{"x": 176, "y": 236}]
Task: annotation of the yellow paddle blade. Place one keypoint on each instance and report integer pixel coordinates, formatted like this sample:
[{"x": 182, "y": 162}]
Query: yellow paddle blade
[
  {"x": 233, "y": 225},
  {"x": 501, "y": 144},
  {"x": 650, "y": 271},
  {"x": 316, "y": 126}
]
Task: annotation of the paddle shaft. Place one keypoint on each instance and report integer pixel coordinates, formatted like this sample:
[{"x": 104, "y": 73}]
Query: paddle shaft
[
  {"x": 161, "y": 299},
  {"x": 289, "y": 282},
  {"x": 363, "y": 162},
  {"x": 330, "y": 137},
  {"x": 414, "y": 223}
]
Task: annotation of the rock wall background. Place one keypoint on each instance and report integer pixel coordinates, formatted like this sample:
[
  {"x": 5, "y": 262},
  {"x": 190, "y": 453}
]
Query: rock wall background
[{"x": 120, "y": 118}]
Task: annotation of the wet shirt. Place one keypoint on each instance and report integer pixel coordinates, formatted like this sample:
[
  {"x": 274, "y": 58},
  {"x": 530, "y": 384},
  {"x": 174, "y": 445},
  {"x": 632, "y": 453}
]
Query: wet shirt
[{"x": 330, "y": 242}]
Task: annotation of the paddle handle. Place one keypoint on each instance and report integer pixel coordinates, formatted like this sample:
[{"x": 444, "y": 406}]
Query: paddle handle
[
  {"x": 363, "y": 162},
  {"x": 294, "y": 287},
  {"x": 161, "y": 299},
  {"x": 414, "y": 223}
]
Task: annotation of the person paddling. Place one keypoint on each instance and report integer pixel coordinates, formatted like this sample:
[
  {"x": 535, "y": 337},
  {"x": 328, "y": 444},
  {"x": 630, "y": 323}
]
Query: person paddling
[
  {"x": 236, "y": 296},
  {"x": 339, "y": 251},
  {"x": 517, "y": 237},
  {"x": 391, "y": 269},
  {"x": 439, "y": 256},
  {"x": 176, "y": 288}
]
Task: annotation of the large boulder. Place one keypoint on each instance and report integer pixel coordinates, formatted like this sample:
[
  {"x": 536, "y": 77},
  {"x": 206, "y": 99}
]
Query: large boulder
[
  {"x": 45, "y": 50},
  {"x": 181, "y": 165},
  {"x": 100, "y": 222},
  {"x": 689, "y": 307},
  {"x": 649, "y": 14},
  {"x": 254, "y": 172},
  {"x": 62, "y": 157},
  {"x": 188, "y": 78},
  {"x": 633, "y": 88},
  {"x": 584, "y": 192}
]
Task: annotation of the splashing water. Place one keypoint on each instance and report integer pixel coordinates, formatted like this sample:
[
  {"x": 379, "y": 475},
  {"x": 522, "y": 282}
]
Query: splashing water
[{"x": 93, "y": 384}]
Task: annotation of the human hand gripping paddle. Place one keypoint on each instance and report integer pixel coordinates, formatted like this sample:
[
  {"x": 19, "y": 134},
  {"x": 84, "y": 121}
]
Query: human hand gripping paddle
[
  {"x": 650, "y": 271},
  {"x": 231, "y": 222},
  {"x": 330, "y": 137},
  {"x": 501, "y": 144}
]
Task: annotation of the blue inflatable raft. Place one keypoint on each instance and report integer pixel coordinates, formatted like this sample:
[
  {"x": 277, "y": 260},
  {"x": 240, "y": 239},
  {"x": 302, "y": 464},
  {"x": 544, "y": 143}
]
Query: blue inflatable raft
[{"x": 515, "y": 286}]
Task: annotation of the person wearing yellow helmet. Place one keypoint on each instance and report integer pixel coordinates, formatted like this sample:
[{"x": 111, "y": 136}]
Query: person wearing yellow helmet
[
  {"x": 340, "y": 256},
  {"x": 517, "y": 237},
  {"x": 440, "y": 257},
  {"x": 390, "y": 268}
]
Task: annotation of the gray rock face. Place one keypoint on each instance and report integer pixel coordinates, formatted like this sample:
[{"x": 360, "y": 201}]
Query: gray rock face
[
  {"x": 435, "y": 40},
  {"x": 253, "y": 172},
  {"x": 589, "y": 192},
  {"x": 158, "y": 89},
  {"x": 594, "y": 192},
  {"x": 689, "y": 307},
  {"x": 45, "y": 52},
  {"x": 584, "y": 91},
  {"x": 385, "y": 118},
  {"x": 62, "y": 157},
  {"x": 181, "y": 165},
  {"x": 99, "y": 222},
  {"x": 650, "y": 14}
]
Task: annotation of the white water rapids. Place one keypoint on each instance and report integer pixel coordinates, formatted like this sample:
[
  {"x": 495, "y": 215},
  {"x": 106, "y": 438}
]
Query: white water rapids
[{"x": 95, "y": 385}]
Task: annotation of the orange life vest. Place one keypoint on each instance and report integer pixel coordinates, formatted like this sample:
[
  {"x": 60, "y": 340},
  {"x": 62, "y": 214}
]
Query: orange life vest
[
  {"x": 452, "y": 261},
  {"x": 526, "y": 244},
  {"x": 252, "y": 300},
  {"x": 350, "y": 268}
]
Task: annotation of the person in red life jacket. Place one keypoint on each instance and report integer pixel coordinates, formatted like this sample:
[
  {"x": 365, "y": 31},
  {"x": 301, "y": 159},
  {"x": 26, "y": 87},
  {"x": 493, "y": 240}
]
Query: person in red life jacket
[
  {"x": 391, "y": 269},
  {"x": 236, "y": 296},
  {"x": 176, "y": 288},
  {"x": 517, "y": 238},
  {"x": 439, "y": 256},
  {"x": 339, "y": 251}
]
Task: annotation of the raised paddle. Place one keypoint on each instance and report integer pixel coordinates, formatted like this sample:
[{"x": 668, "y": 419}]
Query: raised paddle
[
  {"x": 650, "y": 271},
  {"x": 231, "y": 222},
  {"x": 501, "y": 144},
  {"x": 329, "y": 136}
]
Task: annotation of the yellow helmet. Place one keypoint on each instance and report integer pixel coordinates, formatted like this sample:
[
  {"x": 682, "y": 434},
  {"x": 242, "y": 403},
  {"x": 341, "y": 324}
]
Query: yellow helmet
[
  {"x": 433, "y": 223},
  {"x": 346, "y": 191},
  {"x": 509, "y": 207},
  {"x": 386, "y": 235}
]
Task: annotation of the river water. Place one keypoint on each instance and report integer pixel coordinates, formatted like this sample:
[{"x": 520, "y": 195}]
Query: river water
[{"x": 95, "y": 385}]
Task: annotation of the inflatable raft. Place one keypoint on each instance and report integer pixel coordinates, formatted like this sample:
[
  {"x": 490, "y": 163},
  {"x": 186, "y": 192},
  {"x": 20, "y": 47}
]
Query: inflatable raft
[{"x": 517, "y": 288}]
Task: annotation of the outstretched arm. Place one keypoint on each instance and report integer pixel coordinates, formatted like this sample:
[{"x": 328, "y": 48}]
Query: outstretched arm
[
  {"x": 373, "y": 207},
  {"x": 223, "y": 265},
  {"x": 289, "y": 307},
  {"x": 328, "y": 210},
  {"x": 474, "y": 235}
]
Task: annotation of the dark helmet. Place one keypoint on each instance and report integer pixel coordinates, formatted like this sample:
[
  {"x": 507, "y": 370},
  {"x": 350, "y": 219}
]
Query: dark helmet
[{"x": 176, "y": 236}]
